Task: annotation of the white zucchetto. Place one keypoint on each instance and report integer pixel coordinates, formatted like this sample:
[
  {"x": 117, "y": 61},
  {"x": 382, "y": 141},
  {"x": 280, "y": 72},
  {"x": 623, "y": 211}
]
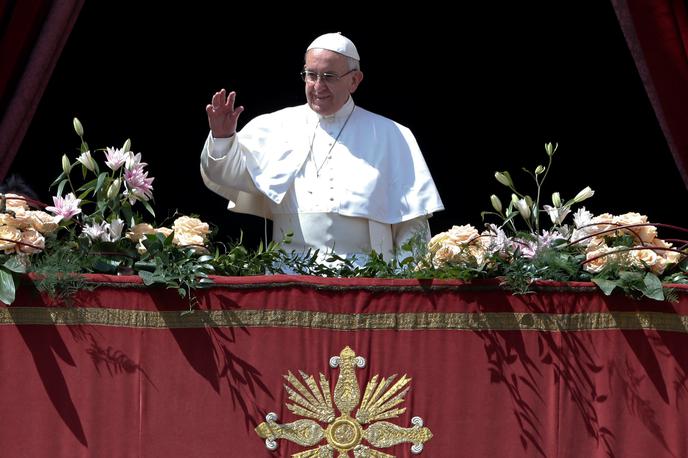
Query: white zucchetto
[{"x": 335, "y": 42}]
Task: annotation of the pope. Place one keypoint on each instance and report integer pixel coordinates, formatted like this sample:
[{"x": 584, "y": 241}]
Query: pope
[{"x": 340, "y": 178}]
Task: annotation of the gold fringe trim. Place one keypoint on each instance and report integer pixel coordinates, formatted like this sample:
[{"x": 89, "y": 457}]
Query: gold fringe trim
[{"x": 506, "y": 321}]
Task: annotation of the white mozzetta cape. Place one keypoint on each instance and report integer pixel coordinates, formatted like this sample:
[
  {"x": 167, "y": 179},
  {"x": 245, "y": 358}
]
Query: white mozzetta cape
[{"x": 380, "y": 168}]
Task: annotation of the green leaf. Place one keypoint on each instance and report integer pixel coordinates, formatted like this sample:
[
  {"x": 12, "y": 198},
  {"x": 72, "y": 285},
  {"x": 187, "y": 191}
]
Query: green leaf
[
  {"x": 107, "y": 266},
  {"x": 145, "y": 265},
  {"x": 633, "y": 279},
  {"x": 148, "y": 207},
  {"x": 653, "y": 287},
  {"x": 607, "y": 286},
  {"x": 57, "y": 180},
  {"x": 128, "y": 215},
  {"x": 99, "y": 183},
  {"x": 147, "y": 277},
  {"x": 83, "y": 195},
  {"x": 7, "y": 287},
  {"x": 13, "y": 264},
  {"x": 88, "y": 186},
  {"x": 60, "y": 188}
]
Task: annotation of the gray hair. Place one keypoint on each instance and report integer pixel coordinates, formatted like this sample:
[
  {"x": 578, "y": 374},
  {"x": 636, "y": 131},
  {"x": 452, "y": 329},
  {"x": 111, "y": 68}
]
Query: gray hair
[{"x": 352, "y": 64}]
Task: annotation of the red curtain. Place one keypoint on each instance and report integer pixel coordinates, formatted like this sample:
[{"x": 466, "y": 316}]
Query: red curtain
[
  {"x": 32, "y": 35},
  {"x": 657, "y": 34},
  {"x": 122, "y": 371}
]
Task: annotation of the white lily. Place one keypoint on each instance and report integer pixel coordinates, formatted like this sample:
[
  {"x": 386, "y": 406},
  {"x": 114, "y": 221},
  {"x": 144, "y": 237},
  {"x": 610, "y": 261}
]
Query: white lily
[{"x": 87, "y": 160}]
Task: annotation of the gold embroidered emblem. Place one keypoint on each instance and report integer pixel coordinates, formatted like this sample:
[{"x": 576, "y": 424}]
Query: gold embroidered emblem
[{"x": 345, "y": 433}]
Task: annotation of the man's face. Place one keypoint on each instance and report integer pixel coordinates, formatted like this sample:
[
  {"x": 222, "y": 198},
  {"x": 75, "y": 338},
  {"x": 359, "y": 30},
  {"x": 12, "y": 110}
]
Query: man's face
[{"x": 326, "y": 98}]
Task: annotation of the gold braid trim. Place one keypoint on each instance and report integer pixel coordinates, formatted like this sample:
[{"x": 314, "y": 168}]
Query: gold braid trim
[{"x": 497, "y": 321}]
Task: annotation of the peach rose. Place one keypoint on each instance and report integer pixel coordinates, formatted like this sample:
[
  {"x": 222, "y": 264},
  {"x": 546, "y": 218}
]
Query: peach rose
[
  {"x": 34, "y": 239},
  {"x": 188, "y": 225},
  {"x": 8, "y": 236},
  {"x": 596, "y": 265},
  {"x": 459, "y": 244},
  {"x": 645, "y": 259},
  {"x": 462, "y": 234},
  {"x": 671, "y": 257},
  {"x": 15, "y": 202},
  {"x": 166, "y": 231},
  {"x": 646, "y": 233},
  {"x": 42, "y": 221},
  {"x": 18, "y": 220},
  {"x": 601, "y": 223},
  {"x": 137, "y": 232},
  {"x": 446, "y": 254}
]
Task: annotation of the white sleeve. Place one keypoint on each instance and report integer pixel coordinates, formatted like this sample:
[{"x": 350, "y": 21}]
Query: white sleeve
[{"x": 224, "y": 163}]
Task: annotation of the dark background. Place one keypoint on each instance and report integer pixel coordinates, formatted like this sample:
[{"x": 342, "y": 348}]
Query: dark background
[{"x": 482, "y": 89}]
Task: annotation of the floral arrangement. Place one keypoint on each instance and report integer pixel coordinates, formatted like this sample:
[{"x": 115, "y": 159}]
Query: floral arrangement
[
  {"x": 612, "y": 251},
  {"x": 95, "y": 226}
]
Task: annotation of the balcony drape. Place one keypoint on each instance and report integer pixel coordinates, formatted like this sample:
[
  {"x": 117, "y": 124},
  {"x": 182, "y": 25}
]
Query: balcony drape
[
  {"x": 32, "y": 36},
  {"x": 564, "y": 372}
]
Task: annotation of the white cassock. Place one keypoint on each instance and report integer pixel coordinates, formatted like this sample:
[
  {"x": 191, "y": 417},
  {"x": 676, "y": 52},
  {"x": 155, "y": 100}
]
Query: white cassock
[{"x": 349, "y": 183}]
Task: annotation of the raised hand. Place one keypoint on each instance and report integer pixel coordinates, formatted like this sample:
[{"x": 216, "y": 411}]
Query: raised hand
[{"x": 222, "y": 116}]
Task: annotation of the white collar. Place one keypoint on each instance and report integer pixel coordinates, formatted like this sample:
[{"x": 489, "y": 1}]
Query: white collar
[{"x": 340, "y": 115}]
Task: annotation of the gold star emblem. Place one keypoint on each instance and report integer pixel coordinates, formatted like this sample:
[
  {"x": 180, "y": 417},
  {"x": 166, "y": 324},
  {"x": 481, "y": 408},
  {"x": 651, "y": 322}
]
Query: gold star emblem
[{"x": 345, "y": 433}]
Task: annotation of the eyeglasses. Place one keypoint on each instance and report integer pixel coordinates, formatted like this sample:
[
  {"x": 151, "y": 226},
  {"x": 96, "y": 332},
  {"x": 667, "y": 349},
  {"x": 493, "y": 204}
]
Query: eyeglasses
[{"x": 327, "y": 77}]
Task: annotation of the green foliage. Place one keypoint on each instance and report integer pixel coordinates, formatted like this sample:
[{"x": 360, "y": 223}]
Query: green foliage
[
  {"x": 58, "y": 271},
  {"x": 167, "y": 265},
  {"x": 237, "y": 260}
]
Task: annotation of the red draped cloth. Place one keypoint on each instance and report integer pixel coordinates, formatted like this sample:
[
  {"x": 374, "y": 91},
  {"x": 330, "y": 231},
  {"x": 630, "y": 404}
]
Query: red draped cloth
[
  {"x": 657, "y": 34},
  {"x": 32, "y": 35},
  {"x": 126, "y": 371}
]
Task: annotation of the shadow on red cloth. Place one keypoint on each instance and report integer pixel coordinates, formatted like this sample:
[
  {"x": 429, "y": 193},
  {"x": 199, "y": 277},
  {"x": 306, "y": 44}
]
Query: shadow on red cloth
[
  {"x": 45, "y": 343},
  {"x": 578, "y": 369},
  {"x": 573, "y": 365},
  {"x": 208, "y": 351}
]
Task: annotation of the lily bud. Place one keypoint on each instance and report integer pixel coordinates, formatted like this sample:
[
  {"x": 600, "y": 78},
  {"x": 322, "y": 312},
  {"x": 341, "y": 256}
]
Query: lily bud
[
  {"x": 586, "y": 193},
  {"x": 550, "y": 149},
  {"x": 523, "y": 208},
  {"x": 514, "y": 199},
  {"x": 504, "y": 178},
  {"x": 86, "y": 159},
  {"x": 539, "y": 169},
  {"x": 127, "y": 145},
  {"x": 113, "y": 190},
  {"x": 496, "y": 203},
  {"x": 529, "y": 201},
  {"x": 78, "y": 128},
  {"x": 65, "y": 164},
  {"x": 556, "y": 199}
]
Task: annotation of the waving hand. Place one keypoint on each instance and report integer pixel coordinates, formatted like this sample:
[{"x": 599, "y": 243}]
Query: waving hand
[{"x": 222, "y": 116}]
